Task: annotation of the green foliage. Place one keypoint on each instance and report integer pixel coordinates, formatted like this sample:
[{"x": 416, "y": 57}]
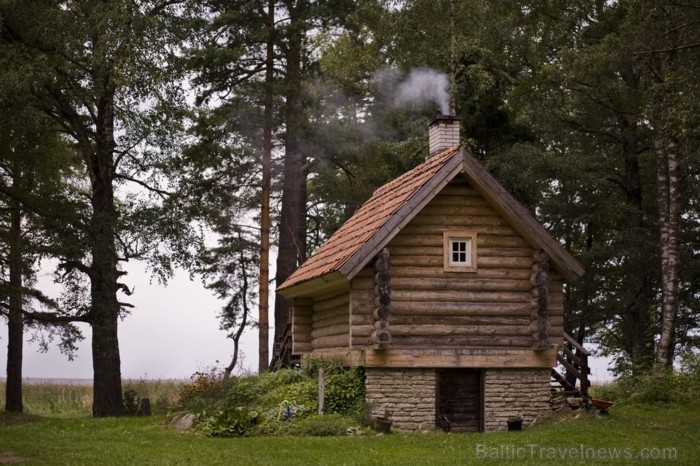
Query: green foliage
[
  {"x": 131, "y": 402},
  {"x": 661, "y": 386},
  {"x": 206, "y": 389},
  {"x": 232, "y": 422},
  {"x": 275, "y": 402},
  {"x": 344, "y": 391}
]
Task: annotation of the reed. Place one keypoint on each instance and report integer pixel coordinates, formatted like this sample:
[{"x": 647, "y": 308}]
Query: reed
[{"x": 70, "y": 400}]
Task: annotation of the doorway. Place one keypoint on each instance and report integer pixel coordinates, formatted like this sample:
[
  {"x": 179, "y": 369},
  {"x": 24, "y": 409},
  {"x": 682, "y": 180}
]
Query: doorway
[{"x": 459, "y": 404}]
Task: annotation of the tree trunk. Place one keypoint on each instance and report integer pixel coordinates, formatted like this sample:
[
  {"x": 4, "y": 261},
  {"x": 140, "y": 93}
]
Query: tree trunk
[
  {"x": 243, "y": 264},
  {"x": 264, "y": 293},
  {"x": 105, "y": 307},
  {"x": 15, "y": 324},
  {"x": 669, "y": 216},
  {"x": 637, "y": 280},
  {"x": 292, "y": 214}
]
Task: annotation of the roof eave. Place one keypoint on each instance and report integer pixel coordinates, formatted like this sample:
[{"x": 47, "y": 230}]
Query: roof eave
[
  {"x": 327, "y": 283},
  {"x": 523, "y": 222},
  {"x": 404, "y": 215}
]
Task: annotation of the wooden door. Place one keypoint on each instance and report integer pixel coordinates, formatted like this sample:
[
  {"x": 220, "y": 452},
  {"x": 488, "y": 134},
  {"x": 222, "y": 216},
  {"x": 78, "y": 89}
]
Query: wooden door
[{"x": 460, "y": 400}]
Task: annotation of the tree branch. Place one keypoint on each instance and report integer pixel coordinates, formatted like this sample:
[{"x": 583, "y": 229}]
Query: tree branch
[{"x": 162, "y": 193}]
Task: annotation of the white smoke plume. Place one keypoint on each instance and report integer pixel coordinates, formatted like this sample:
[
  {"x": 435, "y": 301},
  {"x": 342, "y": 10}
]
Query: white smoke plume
[{"x": 423, "y": 86}]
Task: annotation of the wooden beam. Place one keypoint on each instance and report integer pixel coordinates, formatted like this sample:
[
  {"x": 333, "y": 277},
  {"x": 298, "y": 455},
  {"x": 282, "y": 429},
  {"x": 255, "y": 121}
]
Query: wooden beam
[
  {"x": 331, "y": 283},
  {"x": 460, "y": 358}
]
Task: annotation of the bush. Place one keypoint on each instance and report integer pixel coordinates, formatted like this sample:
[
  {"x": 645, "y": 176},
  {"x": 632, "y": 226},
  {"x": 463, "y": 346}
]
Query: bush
[
  {"x": 206, "y": 390},
  {"x": 131, "y": 402},
  {"x": 233, "y": 422},
  {"x": 658, "y": 387},
  {"x": 280, "y": 400},
  {"x": 345, "y": 392}
]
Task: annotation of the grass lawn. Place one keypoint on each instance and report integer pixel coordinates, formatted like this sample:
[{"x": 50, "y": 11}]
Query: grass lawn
[{"x": 632, "y": 433}]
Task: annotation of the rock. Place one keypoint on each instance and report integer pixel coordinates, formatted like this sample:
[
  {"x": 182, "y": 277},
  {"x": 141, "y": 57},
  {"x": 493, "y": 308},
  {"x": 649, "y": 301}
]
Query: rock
[
  {"x": 574, "y": 402},
  {"x": 184, "y": 422}
]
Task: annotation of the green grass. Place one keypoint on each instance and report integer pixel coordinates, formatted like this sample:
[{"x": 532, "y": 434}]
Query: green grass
[{"x": 150, "y": 441}]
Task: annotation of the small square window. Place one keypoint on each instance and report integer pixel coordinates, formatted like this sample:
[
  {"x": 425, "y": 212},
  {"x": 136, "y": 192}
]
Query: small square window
[{"x": 460, "y": 251}]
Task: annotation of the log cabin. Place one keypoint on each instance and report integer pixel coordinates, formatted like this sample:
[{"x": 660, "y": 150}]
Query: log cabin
[{"x": 445, "y": 290}]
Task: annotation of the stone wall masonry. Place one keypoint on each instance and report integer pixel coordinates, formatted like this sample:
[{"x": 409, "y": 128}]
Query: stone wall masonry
[
  {"x": 511, "y": 393},
  {"x": 407, "y": 393}
]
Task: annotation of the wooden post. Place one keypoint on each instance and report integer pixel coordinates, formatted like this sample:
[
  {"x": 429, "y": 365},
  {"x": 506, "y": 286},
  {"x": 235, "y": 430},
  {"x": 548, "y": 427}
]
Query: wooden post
[
  {"x": 321, "y": 390},
  {"x": 381, "y": 337},
  {"x": 540, "y": 280}
]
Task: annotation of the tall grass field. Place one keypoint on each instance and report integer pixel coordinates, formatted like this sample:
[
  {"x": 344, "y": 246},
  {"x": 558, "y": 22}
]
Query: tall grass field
[{"x": 65, "y": 399}]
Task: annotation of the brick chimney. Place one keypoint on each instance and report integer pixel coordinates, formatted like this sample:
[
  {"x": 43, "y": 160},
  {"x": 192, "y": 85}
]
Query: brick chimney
[{"x": 443, "y": 133}]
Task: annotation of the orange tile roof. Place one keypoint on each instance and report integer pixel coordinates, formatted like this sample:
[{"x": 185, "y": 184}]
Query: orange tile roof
[{"x": 348, "y": 240}]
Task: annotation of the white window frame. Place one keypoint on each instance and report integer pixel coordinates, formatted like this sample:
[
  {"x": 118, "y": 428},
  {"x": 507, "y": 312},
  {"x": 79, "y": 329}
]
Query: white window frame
[{"x": 461, "y": 236}]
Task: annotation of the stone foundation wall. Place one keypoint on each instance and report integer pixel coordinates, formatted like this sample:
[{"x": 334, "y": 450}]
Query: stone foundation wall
[
  {"x": 408, "y": 393},
  {"x": 515, "y": 392}
]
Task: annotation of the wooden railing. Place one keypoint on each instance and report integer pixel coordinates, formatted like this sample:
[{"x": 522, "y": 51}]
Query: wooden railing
[
  {"x": 282, "y": 350},
  {"x": 574, "y": 358}
]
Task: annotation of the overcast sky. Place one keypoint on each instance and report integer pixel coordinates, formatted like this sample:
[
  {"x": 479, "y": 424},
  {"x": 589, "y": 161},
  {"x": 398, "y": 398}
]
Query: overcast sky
[{"x": 172, "y": 332}]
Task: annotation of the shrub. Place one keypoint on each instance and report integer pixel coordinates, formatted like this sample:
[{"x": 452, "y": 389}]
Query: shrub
[
  {"x": 660, "y": 386},
  {"x": 206, "y": 389},
  {"x": 280, "y": 400},
  {"x": 233, "y": 422},
  {"x": 131, "y": 402},
  {"x": 345, "y": 392}
]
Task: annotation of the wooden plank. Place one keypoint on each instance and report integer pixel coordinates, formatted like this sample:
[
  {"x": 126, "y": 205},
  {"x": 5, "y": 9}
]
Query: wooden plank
[
  {"x": 455, "y": 358},
  {"x": 330, "y": 314},
  {"x": 330, "y": 330},
  {"x": 460, "y": 189},
  {"x": 462, "y": 221},
  {"x": 458, "y": 211},
  {"x": 439, "y": 229},
  {"x": 301, "y": 347},
  {"x": 331, "y": 320},
  {"x": 400, "y": 319},
  {"x": 461, "y": 296},
  {"x": 505, "y": 252},
  {"x": 458, "y": 200},
  {"x": 332, "y": 283},
  {"x": 443, "y": 330},
  {"x": 476, "y": 308},
  {"x": 459, "y": 283},
  {"x": 361, "y": 319},
  {"x": 349, "y": 358},
  {"x": 416, "y": 270},
  {"x": 502, "y": 341},
  {"x": 333, "y": 341},
  {"x": 335, "y": 301}
]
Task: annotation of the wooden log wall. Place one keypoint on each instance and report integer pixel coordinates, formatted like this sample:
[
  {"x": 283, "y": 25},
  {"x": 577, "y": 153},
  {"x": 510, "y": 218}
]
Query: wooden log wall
[
  {"x": 540, "y": 281},
  {"x": 362, "y": 308},
  {"x": 381, "y": 336},
  {"x": 330, "y": 321},
  {"x": 301, "y": 325},
  {"x": 433, "y": 308}
]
